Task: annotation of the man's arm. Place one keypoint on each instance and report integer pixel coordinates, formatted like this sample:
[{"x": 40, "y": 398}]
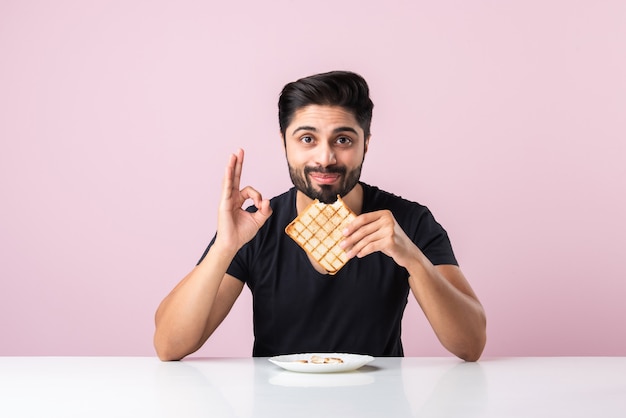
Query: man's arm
[
  {"x": 452, "y": 308},
  {"x": 198, "y": 304},
  {"x": 195, "y": 307},
  {"x": 445, "y": 296}
]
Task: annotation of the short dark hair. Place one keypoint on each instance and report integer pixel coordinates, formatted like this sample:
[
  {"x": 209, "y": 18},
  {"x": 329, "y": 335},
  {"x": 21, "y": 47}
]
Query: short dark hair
[{"x": 336, "y": 88}]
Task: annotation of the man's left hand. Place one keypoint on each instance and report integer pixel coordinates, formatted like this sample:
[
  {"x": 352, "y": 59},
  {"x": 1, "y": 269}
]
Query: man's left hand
[{"x": 378, "y": 231}]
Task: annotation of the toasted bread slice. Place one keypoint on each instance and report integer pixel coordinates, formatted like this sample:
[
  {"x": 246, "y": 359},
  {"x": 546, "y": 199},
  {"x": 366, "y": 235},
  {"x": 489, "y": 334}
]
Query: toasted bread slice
[{"x": 318, "y": 230}]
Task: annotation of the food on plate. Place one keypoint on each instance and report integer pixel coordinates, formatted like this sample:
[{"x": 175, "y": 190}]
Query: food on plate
[
  {"x": 321, "y": 360},
  {"x": 318, "y": 230}
]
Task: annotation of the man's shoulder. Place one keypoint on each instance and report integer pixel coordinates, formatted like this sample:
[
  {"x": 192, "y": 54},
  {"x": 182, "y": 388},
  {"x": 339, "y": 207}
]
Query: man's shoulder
[
  {"x": 285, "y": 197},
  {"x": 283, "y": 208},
  {"x": 375, "y": 198},
  {"x": 279, "y": 202}
]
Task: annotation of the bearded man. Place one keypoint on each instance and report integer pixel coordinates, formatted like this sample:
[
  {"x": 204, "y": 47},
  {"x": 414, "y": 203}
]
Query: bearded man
[{"x": 394, "y": 247}]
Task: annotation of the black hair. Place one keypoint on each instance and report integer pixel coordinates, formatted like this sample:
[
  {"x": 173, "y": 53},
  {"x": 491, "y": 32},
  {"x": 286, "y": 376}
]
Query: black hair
[{"x": 336, "y": 88}]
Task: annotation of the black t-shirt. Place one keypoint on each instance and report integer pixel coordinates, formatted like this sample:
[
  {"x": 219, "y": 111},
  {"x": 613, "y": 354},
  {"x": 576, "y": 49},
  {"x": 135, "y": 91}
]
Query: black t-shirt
[{"x": 358, "y": 310}]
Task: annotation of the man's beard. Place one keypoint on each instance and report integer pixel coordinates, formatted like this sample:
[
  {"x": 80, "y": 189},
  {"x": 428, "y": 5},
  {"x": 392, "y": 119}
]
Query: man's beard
[{"x": 327, "y": 193}]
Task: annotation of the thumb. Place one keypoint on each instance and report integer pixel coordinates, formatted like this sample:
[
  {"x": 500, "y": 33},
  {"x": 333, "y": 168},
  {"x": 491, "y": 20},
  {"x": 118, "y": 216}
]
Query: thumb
[{"x": 264, "y": 211}]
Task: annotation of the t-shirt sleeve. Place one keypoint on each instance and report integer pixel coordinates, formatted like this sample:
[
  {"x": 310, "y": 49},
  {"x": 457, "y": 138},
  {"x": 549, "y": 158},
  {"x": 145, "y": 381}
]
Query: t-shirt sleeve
[
  {"x": 237, "y": 266},
  {"x": 432, "y": 239}
]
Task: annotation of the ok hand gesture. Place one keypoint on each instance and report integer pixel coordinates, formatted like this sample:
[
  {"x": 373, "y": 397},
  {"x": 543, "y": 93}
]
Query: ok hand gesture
[{"x": 236, "y": 226}]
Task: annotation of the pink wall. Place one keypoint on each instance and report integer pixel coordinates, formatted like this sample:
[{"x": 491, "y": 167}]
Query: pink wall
[{"x": 116, "y": 119}]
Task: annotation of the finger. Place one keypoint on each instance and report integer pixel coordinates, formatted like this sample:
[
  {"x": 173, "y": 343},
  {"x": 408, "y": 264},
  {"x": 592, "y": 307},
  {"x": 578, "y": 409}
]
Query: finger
[
  {"x": 229, "y": 172},
  {"x": 265, "y": 208},
  {"x": 357, "y": 223},
  {"x": 369, "y": 248},
  {"x": 368, "y": 244},
  {"x": 249, "y": 192},
  {"x": 238, "y": 168},
  {"x": 264, "y": 211},
  {"x": 370, "y": 233},
  {"x": 357, "y": 231}
]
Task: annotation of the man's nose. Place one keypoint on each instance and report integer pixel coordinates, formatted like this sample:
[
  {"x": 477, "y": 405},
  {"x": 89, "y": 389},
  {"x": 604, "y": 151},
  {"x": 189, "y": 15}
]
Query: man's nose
[{"x": 325, "y": 155}]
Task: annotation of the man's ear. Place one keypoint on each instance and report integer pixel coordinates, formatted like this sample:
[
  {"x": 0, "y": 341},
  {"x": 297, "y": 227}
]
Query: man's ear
[
  {"x": 282, "y": 138},
  {"x": 367, "y": 143}
]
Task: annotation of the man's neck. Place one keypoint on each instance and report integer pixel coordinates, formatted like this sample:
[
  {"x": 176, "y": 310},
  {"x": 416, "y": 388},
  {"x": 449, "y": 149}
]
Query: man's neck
[{"x": 354, "y": 200}]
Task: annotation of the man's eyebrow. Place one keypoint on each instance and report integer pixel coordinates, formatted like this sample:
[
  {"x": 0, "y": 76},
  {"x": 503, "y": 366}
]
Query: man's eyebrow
[
  {"x": 304, "y": 128},
  {"x": 335, "y": 131},
  {"x": 345, "y": 129}
]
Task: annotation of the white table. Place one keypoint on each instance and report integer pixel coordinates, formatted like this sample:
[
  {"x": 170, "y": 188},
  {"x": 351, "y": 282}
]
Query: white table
[{"x": 90, "y": 387}]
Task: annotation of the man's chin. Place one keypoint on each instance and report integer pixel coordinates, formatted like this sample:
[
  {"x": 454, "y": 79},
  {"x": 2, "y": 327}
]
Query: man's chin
[
  {"x": 325, "y": 195},
  {"x": 328, "y": 199}
]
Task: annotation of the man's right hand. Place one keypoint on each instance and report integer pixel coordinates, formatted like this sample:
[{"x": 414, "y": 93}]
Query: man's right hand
[{"x": 236, "y": 226}]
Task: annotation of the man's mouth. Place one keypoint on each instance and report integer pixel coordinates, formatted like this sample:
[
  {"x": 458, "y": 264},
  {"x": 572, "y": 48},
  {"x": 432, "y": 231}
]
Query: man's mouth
[{"x": 325, "y": 178}]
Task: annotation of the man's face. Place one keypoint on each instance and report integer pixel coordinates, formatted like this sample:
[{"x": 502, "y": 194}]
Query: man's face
[{"x": 325, "y": 148}]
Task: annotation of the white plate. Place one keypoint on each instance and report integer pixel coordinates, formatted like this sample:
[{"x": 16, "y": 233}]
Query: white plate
[{"x": 350, "y": 362}]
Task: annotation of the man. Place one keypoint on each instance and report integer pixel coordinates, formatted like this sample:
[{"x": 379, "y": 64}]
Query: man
[{"x": 394, "y": 245}]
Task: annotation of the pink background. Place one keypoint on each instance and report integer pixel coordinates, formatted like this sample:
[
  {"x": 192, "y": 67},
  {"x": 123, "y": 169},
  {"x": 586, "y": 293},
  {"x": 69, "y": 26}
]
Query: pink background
[{"x": 508, "y": 119}]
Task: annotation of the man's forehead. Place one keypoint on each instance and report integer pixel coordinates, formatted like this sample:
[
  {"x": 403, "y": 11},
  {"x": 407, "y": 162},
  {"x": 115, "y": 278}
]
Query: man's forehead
[
  {"x": 323, "y": 108},
  {"x": 323, "y": 116}
]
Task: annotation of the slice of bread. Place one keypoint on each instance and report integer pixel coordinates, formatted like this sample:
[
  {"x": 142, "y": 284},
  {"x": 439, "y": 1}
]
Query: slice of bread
[{"x": 318, "y": 230}]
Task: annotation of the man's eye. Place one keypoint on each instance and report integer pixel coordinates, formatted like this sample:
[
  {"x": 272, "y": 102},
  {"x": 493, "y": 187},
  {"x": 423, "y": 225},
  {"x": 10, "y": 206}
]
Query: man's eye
[
  {"x": 306, "y": 139},
  {"x": 344, "y": 140}
]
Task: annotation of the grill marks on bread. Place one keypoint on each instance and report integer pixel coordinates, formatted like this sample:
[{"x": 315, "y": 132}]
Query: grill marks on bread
[{"x": 318, "y": 230}]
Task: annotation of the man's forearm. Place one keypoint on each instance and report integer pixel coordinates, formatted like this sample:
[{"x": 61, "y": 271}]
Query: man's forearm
[
  {"x": 182, "y": 317},
  {"x": 454, "y": 312}
]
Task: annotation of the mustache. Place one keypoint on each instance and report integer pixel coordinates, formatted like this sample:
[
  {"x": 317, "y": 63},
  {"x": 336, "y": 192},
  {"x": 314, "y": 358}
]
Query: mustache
[{"x": 325, "y": 170}]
